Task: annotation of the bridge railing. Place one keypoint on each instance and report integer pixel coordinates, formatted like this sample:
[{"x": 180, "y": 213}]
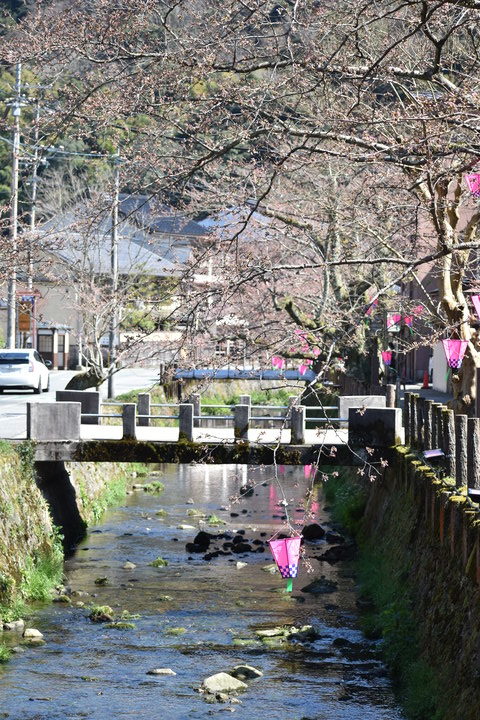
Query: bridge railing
[{"x": 63, "y": 419}]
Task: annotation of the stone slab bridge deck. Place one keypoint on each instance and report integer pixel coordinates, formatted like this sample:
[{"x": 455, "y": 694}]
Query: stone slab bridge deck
[{"x": 70, "y": 430}]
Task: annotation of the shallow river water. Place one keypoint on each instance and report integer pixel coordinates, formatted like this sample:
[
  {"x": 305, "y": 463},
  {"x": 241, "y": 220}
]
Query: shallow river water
[{"x": 86, "y": 670}]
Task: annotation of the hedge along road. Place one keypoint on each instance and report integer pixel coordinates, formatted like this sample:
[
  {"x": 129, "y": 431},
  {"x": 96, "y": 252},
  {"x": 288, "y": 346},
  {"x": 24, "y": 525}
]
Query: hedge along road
[{"x": 13, "y": 403}]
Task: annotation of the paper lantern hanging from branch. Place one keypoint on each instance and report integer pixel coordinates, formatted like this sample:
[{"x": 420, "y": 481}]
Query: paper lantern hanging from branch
[
  {"x": 473, "y": 182},
  {"x": 387, "y": 357},
  {"x": 286, "y": 552},
  {"x": 454, "y": 352},
  {"x": 393, "y": 322},
  {"x": 278, "y": 362}
]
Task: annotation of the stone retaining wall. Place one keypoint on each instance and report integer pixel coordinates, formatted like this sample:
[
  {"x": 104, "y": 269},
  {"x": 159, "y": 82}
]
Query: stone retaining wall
[{"x": 439, "y": 557}]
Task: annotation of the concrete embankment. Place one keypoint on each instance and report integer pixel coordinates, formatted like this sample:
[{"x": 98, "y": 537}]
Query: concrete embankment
[{"x": 419, "y": 563}]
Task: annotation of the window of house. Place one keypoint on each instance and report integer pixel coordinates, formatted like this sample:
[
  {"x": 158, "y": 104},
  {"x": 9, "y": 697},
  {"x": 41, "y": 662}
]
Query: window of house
[{"x": 45, "y": 343}]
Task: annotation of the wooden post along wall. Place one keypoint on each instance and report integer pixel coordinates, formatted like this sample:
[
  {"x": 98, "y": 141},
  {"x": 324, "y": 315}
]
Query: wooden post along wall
[
  {"x": 427, "y": 425},
  {"x": 448, "y": 426},
  {"x": 437, "y": 425},
  {"x": 461, "y": 429},
  {"x": 473, "y": 452},
  {"x": 413, "y": 420},
  {"x": 406, "y": 417}
]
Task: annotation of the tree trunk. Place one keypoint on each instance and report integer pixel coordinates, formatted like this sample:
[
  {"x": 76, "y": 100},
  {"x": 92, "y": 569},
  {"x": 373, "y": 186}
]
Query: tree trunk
[
  {"x": 464, "y": 387},
  {"x": 84, "y": 380}
]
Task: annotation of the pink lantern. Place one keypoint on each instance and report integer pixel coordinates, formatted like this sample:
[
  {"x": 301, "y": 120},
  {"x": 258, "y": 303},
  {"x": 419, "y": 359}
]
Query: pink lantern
[
  {"x": 393, "y": 322},
  {"x": 408, "y": 320},
  {"x": 278, "y": 362},
  {"x": 286, "y": 553},
  {"x": 476, "y": 304},
  {"x": 473, "y": 182},
  {"x": 417, "y": 310},
  {"x": 303, "y": 367},
  {"x": 387, "y": 357},
  {"x": 454, "y": 351}
]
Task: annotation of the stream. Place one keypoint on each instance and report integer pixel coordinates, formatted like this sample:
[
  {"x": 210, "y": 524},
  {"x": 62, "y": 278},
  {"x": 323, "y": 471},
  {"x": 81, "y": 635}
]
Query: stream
[{"x": 198, "y": 617}]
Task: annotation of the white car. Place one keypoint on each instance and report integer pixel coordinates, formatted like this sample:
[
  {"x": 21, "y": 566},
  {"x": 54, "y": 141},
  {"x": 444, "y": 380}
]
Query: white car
[{"x": 23, "y": 369}]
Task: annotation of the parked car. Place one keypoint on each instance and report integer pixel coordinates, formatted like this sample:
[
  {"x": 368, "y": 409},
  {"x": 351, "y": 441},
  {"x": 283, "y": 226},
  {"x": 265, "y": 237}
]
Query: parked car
[{"x": 23, "y": 369}]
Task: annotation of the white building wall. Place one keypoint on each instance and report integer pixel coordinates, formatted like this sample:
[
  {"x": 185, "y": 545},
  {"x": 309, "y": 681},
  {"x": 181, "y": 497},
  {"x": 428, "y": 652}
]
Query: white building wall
[{"x": 439, "y": 366}]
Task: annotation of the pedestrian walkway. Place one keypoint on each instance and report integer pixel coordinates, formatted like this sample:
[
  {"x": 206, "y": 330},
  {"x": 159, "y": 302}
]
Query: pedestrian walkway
[{"x": 430, "y": 394}]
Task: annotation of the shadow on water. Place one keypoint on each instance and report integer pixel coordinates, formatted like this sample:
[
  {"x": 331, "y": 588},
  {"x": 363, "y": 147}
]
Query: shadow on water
[{"x": 197, "y": 617}]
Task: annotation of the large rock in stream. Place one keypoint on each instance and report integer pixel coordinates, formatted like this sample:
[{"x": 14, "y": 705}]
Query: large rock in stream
[
  {"x": 314, "y": 531},
  {"x": 322, "y": 586},
  {"x": 222, "y": 682}
]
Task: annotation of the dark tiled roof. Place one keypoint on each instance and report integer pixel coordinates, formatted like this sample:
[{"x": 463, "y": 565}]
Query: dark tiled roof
[
  {"x": 148, "y": 243},
  {"x": 157, "y": 218}
]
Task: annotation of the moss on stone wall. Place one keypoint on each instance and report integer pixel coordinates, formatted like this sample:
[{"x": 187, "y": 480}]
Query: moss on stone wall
[
  {"x": 31, "y": 559},
  {"x": 99, "y": 486},
  {"x": 425, "y": 601}
]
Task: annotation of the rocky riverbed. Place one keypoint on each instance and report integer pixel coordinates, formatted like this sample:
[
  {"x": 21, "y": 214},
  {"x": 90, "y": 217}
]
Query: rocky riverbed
[{"x": 173, "y": 608}]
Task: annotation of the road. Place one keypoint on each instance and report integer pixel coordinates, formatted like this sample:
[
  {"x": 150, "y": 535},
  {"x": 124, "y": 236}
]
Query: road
[{"x": 13, "y": 403}]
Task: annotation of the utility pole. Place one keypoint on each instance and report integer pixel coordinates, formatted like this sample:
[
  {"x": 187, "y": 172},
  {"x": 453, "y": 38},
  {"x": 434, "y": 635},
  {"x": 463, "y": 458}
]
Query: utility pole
[
  {"x": 114, "y": 273},
  {"x": 33, "y": 199},
  {"x": 33, "y": 220},
  {"x": 12, "y": 280}
]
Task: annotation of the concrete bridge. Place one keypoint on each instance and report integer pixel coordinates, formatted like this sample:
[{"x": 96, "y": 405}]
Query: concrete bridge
[{"x": 78, "y": 428}]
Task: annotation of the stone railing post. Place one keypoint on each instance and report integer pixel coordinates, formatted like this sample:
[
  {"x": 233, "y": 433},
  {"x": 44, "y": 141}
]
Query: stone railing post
[
  {"x": 53, "y": 421},
  {"x": 292, "y": 399},
  {"x": 245, "y": 400},
  {"x": 461, "y": 425},
  {"x": 129, "y": 421},
  {"x": 448, "y": 425},
  {"x": 297, "y": 424},
  {"x": 398, "y": 388},
  {"x": 427, "y": 425},
  {"x": 185, "y": 421},
  {"x": 473, "y": 452},
  {"x": 390, "y": 396},
  {"x": 143, "y": 407},
  {"x": 195, "y": 400},
  {"x": 89, "y": 400},
  {"x": 406, "y": 417},
  {"x": 241, "y": 421}
]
